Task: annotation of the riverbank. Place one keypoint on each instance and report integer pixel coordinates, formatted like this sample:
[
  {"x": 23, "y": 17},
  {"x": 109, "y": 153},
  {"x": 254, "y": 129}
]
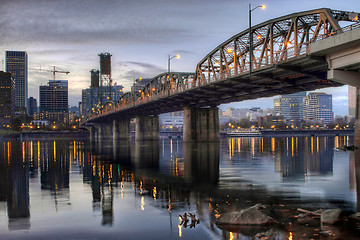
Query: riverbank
[
  {"x": 53, "y": 135},
  {"x": 307, "y": 133}
]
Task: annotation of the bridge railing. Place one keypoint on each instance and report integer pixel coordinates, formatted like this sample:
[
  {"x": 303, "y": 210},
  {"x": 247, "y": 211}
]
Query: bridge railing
[
  {"x": 342, "y": 30},
  {"x": 258, "y": 63}
]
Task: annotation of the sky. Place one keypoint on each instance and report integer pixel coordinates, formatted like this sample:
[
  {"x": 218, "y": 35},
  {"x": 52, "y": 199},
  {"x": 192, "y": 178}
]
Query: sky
[{"x": 140, "y": 34}]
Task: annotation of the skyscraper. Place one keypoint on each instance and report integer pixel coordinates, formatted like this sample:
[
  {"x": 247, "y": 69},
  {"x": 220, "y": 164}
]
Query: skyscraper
[
  {"x": 7, "y": 97},
  {"x": 31, "y": 106},
  {"x": 54, "y": 96},
  {"x": 318, "y": 107},
  {"x": 290, "y": 106},
  {"x": 17, "y": 65}
]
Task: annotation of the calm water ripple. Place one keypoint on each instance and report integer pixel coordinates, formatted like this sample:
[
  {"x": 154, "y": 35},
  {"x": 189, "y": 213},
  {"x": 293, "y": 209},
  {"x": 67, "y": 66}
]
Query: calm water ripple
[{"x": 137, "y": 190}]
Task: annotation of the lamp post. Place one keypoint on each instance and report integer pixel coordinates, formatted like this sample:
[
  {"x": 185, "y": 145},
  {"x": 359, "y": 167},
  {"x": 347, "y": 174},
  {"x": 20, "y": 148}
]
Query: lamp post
[
  {"x": 169, "y": 59},
  {"x": 250, "y": 36}
]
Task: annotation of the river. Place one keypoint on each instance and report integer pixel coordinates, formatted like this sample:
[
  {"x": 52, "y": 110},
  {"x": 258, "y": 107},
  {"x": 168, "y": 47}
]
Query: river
[{"x": 137, "y": 190}]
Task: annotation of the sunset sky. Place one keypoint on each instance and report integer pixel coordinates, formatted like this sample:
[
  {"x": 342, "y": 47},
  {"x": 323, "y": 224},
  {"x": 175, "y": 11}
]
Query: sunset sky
[{"x": 140, "y": 34}]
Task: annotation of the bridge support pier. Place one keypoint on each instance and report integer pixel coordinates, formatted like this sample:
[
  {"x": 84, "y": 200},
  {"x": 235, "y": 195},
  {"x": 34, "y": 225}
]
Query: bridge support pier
[
  {"x": 121, "y": 129},
  {"x": 351, "y": 78},
  {"x": 357, "y": 119},
  {"x": 92, "y": 133},
  {"x": 147, "y": 128},
  {"x": 104, "y": 131},
  {"x": 201, "y": 124}
]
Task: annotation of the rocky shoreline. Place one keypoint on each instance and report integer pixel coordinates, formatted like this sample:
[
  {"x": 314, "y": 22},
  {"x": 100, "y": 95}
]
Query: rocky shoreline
[{"x": 264, "y": 221}]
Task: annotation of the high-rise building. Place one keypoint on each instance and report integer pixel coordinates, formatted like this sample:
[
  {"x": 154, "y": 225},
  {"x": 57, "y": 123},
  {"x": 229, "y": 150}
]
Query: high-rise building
[
  {"x": 54, "y": 97},
  {"x": 352, "y": 101},
  {"x": 90, "y": 97},
  {"x": 318, "y": 107},
  {"x": 7, "y": 97},
  {"x": 31, "y": 106},
  {"x": 290, "y": 106},
  {"x": 17, "y": 65}
]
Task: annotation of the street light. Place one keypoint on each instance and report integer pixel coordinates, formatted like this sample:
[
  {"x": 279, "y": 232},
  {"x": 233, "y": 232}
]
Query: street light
[
  {"x": 250, "y": 35},
  {"x": 169, "y": 59}
]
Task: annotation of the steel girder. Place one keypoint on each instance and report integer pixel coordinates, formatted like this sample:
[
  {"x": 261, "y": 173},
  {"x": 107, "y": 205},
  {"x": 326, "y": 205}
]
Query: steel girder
[
  {"x": 162, "y": 83},
  {"x": 274, "y": 41}
]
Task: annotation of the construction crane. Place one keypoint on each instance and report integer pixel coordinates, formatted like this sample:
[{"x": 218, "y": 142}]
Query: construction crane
[
  {"x": 53, "y": 71},
  {"x": 56, "y": 71}
]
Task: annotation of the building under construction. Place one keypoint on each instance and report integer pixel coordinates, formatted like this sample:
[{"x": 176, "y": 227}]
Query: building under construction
[{"x": 102, "y": 89}]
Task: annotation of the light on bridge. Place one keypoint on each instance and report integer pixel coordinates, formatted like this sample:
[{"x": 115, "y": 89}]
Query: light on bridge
[{"x": 263, "y": 6}]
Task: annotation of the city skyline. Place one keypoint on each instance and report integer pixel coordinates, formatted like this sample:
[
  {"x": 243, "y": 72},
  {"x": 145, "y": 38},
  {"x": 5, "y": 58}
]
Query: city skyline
[{"x": 71, "y": 39}]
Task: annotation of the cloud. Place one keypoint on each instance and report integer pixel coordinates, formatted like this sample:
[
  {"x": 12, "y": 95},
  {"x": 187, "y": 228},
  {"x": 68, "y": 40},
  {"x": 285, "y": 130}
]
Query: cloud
[{"x": 81, "y": 22}]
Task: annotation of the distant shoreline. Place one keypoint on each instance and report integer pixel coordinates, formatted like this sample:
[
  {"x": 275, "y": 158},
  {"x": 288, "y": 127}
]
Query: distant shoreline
[
  {"x": 69, "y": 135},
  {"x": 53, "y": 135}
]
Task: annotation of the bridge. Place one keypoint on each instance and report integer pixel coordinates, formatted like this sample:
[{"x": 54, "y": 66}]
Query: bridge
[{"x": 298, "y": 52}]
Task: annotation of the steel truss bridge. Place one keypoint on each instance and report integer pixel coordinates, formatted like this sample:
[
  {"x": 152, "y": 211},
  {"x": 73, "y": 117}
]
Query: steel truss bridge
[{"x": 282, "y": 64}]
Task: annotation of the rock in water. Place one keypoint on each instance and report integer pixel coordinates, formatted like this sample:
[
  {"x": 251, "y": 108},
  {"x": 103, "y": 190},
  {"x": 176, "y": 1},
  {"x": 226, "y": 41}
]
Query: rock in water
[
  {"x": 356, "y": 216},
  {"x": 330, "y": 216},
  {"x": 249, "y": 216}
]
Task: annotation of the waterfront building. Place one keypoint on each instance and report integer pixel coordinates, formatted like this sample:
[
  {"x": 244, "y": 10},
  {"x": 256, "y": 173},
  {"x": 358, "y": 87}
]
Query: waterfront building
[
  {"x": 57, "y": 117},
  {"x": 254, "y": 113},
  {"x": 74, "y": 110},
  {"x": 54, "y": 97},
  {"x": 270, "y": 120},
  {"x": 318, "y": 107},
  {"x": 290, "y": 106},
  {"x": 54, "y": 102},
  {"x": 40, "y": 122},
  {"x": 7, "y": 98},
  {"x": 17, "y": 65},
  {"x": 235, "y": 113},
  {"x": 31, "y": 106},
  {"x": 171, "y": 121},
  {"x": 90, "y": 97}
]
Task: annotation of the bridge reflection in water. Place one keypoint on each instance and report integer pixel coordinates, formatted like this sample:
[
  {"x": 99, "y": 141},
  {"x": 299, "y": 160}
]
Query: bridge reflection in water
[{"x": 173, "y": 177}]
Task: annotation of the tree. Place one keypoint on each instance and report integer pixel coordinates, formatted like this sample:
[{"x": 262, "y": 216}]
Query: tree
[
  {"x": 244, "y": 123},
  {"x": 281, "y": 125},
  {"x": 16, "y": 124}
]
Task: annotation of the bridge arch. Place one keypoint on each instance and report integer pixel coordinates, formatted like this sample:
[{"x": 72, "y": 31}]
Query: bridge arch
[{"x": 273, "y": 41}]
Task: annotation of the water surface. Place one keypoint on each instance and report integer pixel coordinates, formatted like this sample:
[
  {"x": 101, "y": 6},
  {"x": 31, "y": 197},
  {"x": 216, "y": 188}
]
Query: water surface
[{"x": 137, "y": 190}]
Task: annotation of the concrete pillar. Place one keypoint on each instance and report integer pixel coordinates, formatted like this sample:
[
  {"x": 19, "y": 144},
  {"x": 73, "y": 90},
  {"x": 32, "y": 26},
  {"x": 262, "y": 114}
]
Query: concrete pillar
[
  {"x": 92, "y": 132},
  {"x": 147, "y": 128},
  {"x": 357, "y": 177},
  {"x": 104, "y": 131},
  {"x": 357, "y": 119},
  {"x": 121, "y": 129},
  {"x": 201, "y": 124}
]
